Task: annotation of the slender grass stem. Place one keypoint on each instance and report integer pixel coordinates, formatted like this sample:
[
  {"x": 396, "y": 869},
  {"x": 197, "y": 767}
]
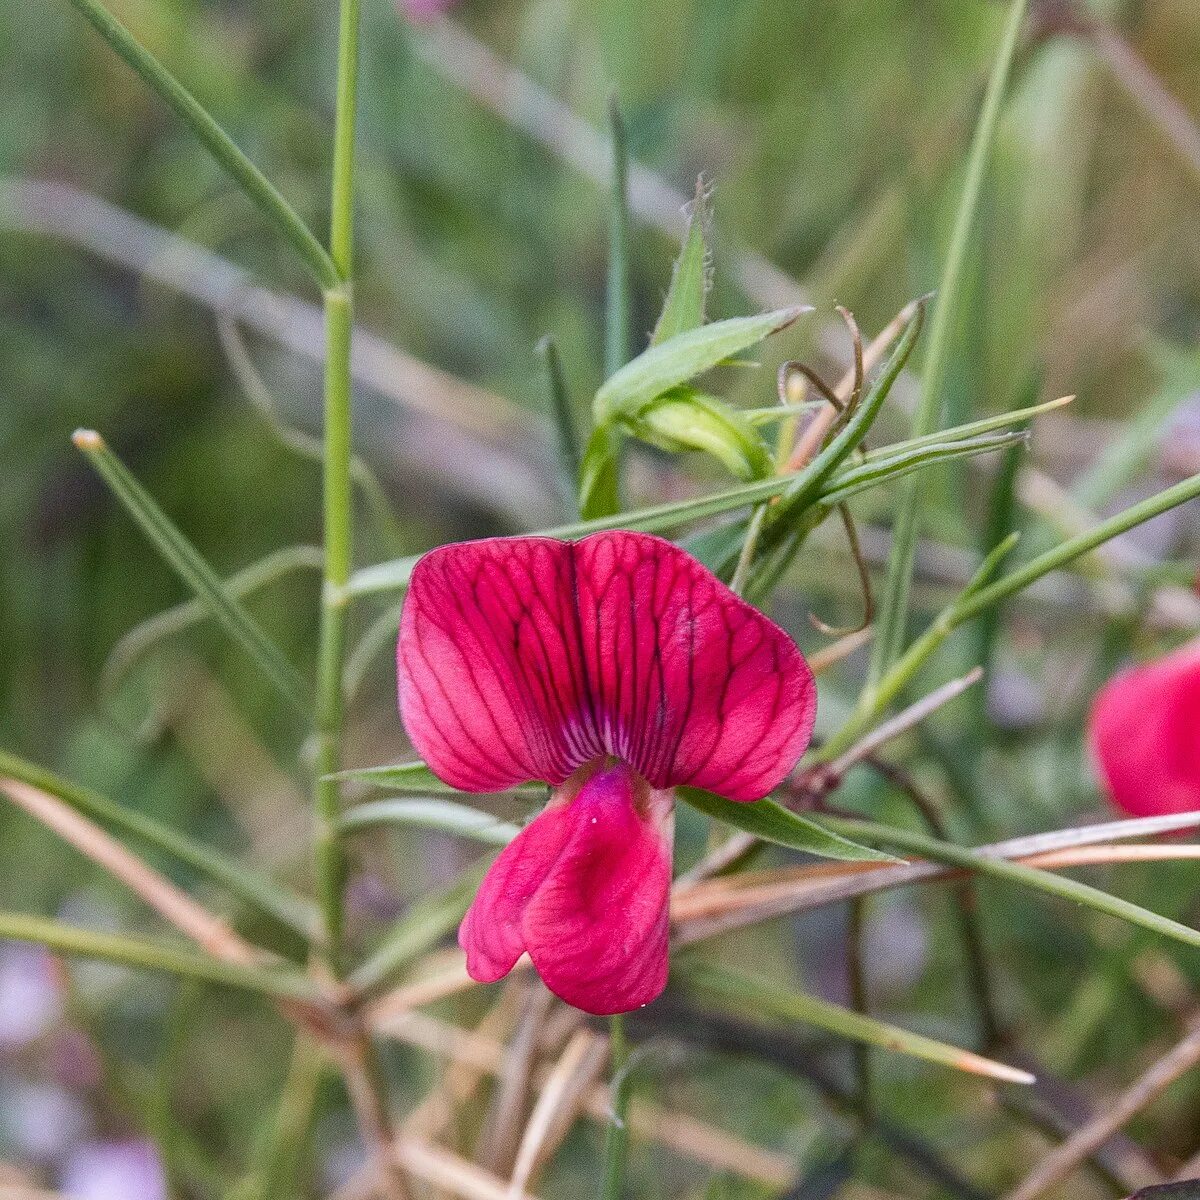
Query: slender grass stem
[
  {"x": 191, "y": 566},
  {"x": 338, "y": 505},
  {"x": 616, "y": 1148},
  {"x": 145, "y": 954},
  {"x": 1038, "y": 879},
  {"x": 360, "y": 1066},
  {"x": 216, "y": 141},
  {"x": 330, "y": 859}
]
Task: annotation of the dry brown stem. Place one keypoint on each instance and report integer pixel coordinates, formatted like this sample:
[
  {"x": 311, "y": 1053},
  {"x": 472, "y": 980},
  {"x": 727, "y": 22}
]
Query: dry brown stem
[{"x": 1060, "y": 1162}]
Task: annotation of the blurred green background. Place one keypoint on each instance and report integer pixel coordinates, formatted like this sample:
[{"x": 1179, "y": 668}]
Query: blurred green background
[{"x": 834, "y": 135}]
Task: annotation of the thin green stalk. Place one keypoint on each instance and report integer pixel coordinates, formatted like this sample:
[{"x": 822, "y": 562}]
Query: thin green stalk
[
  {"x": 218, "y": 143},
  {"x": 1073, "y": 548},
  {"x": 893, "y": 615},
  {"x": 339, "y": 533},
  {"x": 616, "y": 1146},
  {"x": 1013, "y": 872},
  {"x": 192, "y": 568},
  {"x": 741, "y": 572},
  {"x": 616, "y": 329},
  {"x": 155, "y": 956},
  {"x": 330, "y": 858}
]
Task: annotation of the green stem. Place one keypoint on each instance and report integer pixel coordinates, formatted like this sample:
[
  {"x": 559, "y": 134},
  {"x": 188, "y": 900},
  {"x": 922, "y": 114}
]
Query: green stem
[
  {"x": 338, "y": 506},
  {"x": 1013, "y": 872},
  {"x": 278, "y": 982},
  {"x": 330, "y": 862},
  {"x": 616, "y": 1148},
  {"x": 191, "y": 566},
  {"x": 218, "y": 143}
]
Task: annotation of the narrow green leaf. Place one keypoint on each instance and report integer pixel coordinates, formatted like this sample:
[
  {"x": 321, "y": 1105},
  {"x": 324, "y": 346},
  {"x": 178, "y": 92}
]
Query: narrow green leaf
[
  {"x": 428, "y": 921},
  {"x": 617, "y": 323},
  {"x": 600, "y": 474},
  {"x": 143, "y": 637},
  {"x": 774, "y": 1000},
  {"x": 379, "y": 635},
  {"x": 443, "y": 815},
  {"x": 257, "y": 890},
  {"x": 972, "y": 429},
  {"x": 191, "y": 567},
  {"x": 126, "y": 951},
  {"x": 877, "y": 471},
  {"x": 685, "y": 356},
  {"x": 772, "y": 822},
  {"x": 893, "y": 611},
  {"x": 691, "y": 277},
  {"x": 1031, "y": 877},
  {"x": 416, "y": 777},
  {"x": 216, "y": 141}
]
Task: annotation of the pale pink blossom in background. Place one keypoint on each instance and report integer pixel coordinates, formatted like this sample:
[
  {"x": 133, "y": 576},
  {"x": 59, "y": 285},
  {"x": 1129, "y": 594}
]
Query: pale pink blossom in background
[
  {"x": 40, "y": 1122},
  {"x": 127, "y": 1170},
  {"x": 29, "y": 997}
]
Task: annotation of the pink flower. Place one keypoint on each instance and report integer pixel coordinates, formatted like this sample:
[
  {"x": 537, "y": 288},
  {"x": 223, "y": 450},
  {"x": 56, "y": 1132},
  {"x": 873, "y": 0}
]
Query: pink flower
[
  {"x": 614, "y": 669},
  {"x": 1145, "y": 735}
]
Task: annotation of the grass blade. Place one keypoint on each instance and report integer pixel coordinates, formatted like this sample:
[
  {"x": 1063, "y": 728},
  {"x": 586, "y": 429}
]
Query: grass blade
[
  {"x": 191, "y": 567},
  {"x": 774, "y": 1000},
  {"x": 771, "y": 822},
  {"x": 893, "y": 613},
  {"x": 215, "y": 140},
  {"x": 258, "y": 891},
  {"x": 152, "y": 955},
  {"x": 1012, "y": 872},
  {"x": 691, "y": 277},
  {"x": 685, "y": 356},
  {"x": 417, "y": 777},
  {"x": 443, "y": 815},
  {"x": 972, "y": 429},
  {"x": 897, "y": 466}
]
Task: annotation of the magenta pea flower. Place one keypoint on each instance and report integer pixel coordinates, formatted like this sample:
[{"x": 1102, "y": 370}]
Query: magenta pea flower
[
  {"x": 613, "y": 669},
  {"x": 1144, "y": 734}
]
